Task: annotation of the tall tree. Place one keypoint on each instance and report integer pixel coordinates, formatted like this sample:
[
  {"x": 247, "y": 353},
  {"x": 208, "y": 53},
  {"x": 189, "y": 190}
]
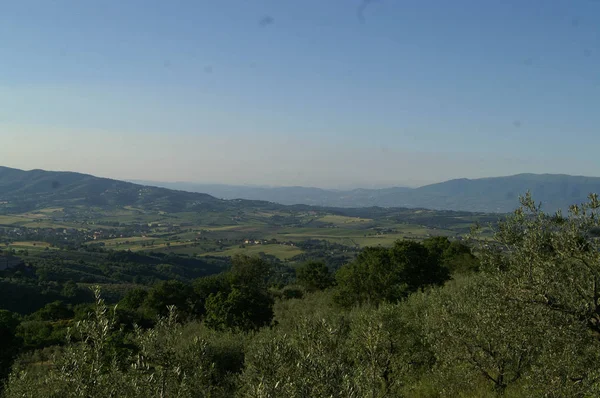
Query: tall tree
[
  {"x": 314, "y": 275},
  {"x": 379, "y": 274},
  {"x": 239, "y": 310},
  {"x": 169, "y": 293},
  {"x": 551, "y": 260}
]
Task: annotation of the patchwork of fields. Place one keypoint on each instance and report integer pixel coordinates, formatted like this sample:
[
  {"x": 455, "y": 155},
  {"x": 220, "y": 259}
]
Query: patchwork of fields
[{"x": 277, "y": 233}]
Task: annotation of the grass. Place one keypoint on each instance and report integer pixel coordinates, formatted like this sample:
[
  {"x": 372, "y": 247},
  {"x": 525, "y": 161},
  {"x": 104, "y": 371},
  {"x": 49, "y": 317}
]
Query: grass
[
  {"x": 34, "y": 216},
  {"x": 282, "y": 252},
  {"x": 51, "y": 224},
  {"x": 335, "y": 219},
  {"x": 31, "y": 221},
  {"x": 118, "y": 241},
  {"x": 51, "y": 210},
  {"x": 352, "y": 236},
  {"x": 31, "y": 244},
  {"x": 135, "y": 243},
  {"x": 159, "y": 245},
  {"x": 224, "y": 228},
  {"x": 204, "y": 232},
  {"x": 14, "y": 220}
]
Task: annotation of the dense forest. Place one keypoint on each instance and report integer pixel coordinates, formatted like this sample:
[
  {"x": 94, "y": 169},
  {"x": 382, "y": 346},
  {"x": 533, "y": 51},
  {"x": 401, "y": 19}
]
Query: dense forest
[{"x": 516, "y": 314}]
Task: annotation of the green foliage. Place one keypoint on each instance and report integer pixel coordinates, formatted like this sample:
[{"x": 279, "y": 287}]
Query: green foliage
[
  {"x": 24, "y": 297},
  {"x": 54, "y": 311},
  {"x": 318, "y": 304},
  {"x": 308, "y": 363},
  {"x": 314, "y": 275},
  {"x": 416, "y": 266},
  {"x": 172, "y": 293},
  {"x": 459, "y": 259},
  {"x": 134, "y": 299},
  {"x": 387, "y": 352},
  {"x": 455, "y": 256},
  {"x": 243, "y": 302},
  {"x": 83, "y": 369},
  {"x": 481, "y": 335},
  {"x": 529, "y": 322},
  {"x": 9, "y": 343},
  {"x": 437, "y": 246},
  {"x": 39, "y": 334},
  {"x": 388, "y": 275},
  {"x": 249, "y": 271},
  {"x": 204, "y": 287},
  {"x": 525, "y": 324},
  {"x": 551, "y": 260},
  {"x": 70, "y": 289},
  {"x": 366, "y": 353},
  {"x": 166, "y": 366},
  {"x": 291, "y": 292},
  {"x": 242, "y": 309},
  {"x": 371, "y": 278},
  {"x": 168, "y": 362}
]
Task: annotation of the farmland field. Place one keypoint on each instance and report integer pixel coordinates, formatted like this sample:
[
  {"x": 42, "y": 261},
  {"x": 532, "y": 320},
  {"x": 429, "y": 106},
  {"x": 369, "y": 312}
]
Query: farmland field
[
  {"x": 30, "y": 244},
  {"x": 334, "y": 219},
  {"x": 283, "y": 233},
  {"x": 283, "y": 252}
]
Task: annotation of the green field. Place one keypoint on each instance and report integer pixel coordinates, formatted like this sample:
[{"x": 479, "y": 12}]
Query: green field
[
  {"x": 223, "y": 232},
  {"x": 15, "y": 220},
  {"x": 30, "y": 244},
  {"x": 135, "y": 243},
  {"x": 118, "y": 241},
  {"x": 335, "y": 219},
  {"x": 283, "y": 252},
  {"x": 33, "y": 220}
]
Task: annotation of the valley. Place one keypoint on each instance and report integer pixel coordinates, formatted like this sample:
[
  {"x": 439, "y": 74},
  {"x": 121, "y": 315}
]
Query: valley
[
  {"x": 279, "y": 233},
  {"x": 67, "y": 227}
]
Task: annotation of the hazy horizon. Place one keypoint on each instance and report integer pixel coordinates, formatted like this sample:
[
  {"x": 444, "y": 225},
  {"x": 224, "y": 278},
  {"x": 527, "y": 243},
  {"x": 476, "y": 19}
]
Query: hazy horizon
[
  {"x": 250, "y": 185},
  {"x": 301, "y": 93}
]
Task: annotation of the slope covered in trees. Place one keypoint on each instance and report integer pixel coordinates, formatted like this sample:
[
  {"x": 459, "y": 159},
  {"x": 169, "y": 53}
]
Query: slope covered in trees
[
  {"x": 519, "y": 317},
  {"x": 26, "y": 190}
]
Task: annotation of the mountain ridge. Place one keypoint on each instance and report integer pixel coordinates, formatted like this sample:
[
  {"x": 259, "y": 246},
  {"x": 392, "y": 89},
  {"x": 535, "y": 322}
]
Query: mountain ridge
[
  {"x": 34, "y": 188},
  {"x": 488, "y": 194}
]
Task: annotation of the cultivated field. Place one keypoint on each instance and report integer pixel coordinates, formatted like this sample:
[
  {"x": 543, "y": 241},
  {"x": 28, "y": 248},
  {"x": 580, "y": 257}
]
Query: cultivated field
[{"x": 277, "y": 233}]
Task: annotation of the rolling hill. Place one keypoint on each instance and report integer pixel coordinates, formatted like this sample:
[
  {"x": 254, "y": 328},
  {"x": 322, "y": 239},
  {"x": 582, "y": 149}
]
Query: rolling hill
[
  {"x": 290, "y": 195},
  {"x": 24, "y": 190},
  {"x": 495, "y": 194}
]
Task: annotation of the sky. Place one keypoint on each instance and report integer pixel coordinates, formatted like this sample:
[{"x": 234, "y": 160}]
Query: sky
[{"x": 335, "y": 94}]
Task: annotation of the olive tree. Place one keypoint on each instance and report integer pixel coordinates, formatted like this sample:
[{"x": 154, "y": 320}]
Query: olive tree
[
  {"x": 165, "y": 362},
  {"x": 543, "y": 274}
]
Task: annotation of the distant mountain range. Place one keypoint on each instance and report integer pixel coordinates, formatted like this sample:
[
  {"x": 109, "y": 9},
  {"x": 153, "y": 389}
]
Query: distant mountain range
[
  {"x": 495, "y": 194},
  {"x": 24, "y": 190}
]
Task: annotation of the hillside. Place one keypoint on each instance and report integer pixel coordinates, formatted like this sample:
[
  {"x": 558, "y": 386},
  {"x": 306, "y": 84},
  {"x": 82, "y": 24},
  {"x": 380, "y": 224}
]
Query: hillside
[
  {"x": 290, "y": 195},
  {"x": 499, "y": 194},
  {"x": 496, "y": 194},
  {"x": 26, "y": 190}
]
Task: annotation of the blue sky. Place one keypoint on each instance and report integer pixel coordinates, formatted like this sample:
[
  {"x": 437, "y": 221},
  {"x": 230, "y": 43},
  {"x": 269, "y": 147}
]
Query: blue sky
[{"x": 301, "y": 92}]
